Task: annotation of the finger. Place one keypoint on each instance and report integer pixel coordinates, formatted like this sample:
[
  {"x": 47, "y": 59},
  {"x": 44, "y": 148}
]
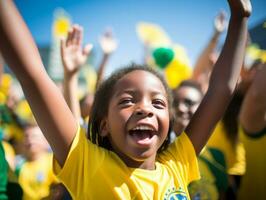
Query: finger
[
  {"x": 80, "y": 36},
  {"x": 69, "y": 36},
  {"x": 62, "y": 48},
  {"x": 62, "y": 45},
  {"x": 222, "y": 16},
  {"x": 87, "y": 49},
  {"x": 76, "y": 33}
]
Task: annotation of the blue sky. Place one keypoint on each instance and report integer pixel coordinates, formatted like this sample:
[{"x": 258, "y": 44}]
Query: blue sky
[{"x": 187, "y": 22}]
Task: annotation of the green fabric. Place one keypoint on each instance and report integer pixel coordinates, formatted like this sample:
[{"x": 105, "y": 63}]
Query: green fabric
[
  {"x": 218, "y": 168},
  {"x": 163, "y": 56},
  {"x": 3, "y": 173},
  {"x": 19, "y": 165},
  {"x": 5, "y": 116},
  {"x": 14, "y": 191}
]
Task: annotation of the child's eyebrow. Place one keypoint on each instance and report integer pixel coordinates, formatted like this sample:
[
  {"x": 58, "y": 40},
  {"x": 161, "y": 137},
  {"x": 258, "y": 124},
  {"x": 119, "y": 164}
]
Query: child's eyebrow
[
  {"x": 127, "y": 91},
  {"x": 135, "y": 91}
]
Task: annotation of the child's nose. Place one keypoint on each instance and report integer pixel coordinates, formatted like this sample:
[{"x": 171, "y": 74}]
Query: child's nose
[
  {"x": 182, "y": 107},
  {"x": 144, "y": 110}
]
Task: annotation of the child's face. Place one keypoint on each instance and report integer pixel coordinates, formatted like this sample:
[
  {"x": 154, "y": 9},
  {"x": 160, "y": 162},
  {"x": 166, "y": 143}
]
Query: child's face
[
  {"x": 189, "y": 99},
  {"x": 35, "y": 143},
  {"x": 138, "y": 117}
]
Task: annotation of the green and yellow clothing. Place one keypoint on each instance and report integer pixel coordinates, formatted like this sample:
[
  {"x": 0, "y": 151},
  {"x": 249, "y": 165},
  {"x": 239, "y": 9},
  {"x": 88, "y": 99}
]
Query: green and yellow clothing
[
  {"x": 213, "y": 174},
  {"x": 92, "y": 172},
  {"x": 253, "y": 183},
  {"x": 9, "y": 187},
  {"x": 36, "y": 177},
  {"x": 3, "y": 174},
  {"x": 9, "y": 154},
  {"x": 234, "y": 155}
]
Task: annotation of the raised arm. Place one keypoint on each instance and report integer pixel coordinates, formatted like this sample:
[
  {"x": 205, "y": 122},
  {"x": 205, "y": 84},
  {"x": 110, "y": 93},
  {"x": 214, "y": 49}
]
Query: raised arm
[
  {"x": 73, "y": 57},
  {"x": 253, "y": 110},
  {"x": 203, "y": 64},
  {"x": 223, "y": 78},
  {"x": 48, "y": 105},
  {"x": 108, "y": 45}
]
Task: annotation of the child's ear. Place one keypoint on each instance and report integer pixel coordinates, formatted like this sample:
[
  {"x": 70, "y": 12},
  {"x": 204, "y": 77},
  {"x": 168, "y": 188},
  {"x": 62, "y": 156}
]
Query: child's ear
[{"x": 104, "y": 128}]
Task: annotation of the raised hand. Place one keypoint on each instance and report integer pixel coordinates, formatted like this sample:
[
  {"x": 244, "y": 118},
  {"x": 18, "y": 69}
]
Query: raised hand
[
  {"x": 220, "y": 22},
  {"x": 107, "y": 42},
  {"x": 240, "y": 8},
  {"x": 72, "y": 54}
]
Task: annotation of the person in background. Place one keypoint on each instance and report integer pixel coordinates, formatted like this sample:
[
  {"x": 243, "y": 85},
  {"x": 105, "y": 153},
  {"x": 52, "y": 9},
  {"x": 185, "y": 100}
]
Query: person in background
[
  {"x": 253, "y": 123},
  {"x": 186, "y": 99},
  {"x": 206, "y": 60},
  {"x": 73, "y": 57},
  {"x": 35, "y": 175},
  {"x": 108, "y": 45}
]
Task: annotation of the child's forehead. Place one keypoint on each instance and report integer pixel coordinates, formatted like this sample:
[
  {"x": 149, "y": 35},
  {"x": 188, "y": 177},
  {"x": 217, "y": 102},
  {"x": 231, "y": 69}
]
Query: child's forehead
[
  {"x": 139, "y": 75},
  {"x": 187, "y": 89},
  {"x": 140, "y": 79}
]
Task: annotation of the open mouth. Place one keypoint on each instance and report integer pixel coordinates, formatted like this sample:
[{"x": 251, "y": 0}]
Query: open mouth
[
  {"x": 183, "y": 115},
  {"x": 142, "y": 135}
]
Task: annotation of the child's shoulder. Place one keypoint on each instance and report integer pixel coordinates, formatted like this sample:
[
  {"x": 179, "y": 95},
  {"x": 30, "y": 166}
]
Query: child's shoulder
[{"x": 179, "y": 149}]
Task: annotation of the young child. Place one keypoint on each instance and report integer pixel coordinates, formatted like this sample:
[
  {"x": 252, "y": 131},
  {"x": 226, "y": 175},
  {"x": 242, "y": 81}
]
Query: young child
[
  {"x": 35, "y": 175},
  {"x": 130, "y": 119}
]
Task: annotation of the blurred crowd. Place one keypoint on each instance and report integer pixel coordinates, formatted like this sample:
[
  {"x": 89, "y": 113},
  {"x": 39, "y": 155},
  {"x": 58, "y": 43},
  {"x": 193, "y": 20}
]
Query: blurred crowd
[{"x": 232, "y": 164}]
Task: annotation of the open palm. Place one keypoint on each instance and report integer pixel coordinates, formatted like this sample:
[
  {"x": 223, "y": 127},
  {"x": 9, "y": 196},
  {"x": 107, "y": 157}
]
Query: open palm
[
  {"x": 107, "y": 42},
  {"x": 72, "y": 53},
  {"x": 220, "y": 22}
]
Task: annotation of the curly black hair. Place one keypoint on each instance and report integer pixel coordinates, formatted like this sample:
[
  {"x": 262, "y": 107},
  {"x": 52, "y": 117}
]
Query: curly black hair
[{"x": 102, "y": 99}]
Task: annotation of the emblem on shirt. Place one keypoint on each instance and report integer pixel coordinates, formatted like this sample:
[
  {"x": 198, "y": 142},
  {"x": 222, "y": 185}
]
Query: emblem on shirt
[
  {"x": 175, "y": 194},
  {"x": 40, "y": 176}
]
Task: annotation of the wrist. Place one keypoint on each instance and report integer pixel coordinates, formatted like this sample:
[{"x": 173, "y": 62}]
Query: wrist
[
  {"x": 240, "y": 15},
  {"x": 238, "y": 21},
  {"x": 70, "y": 75},
  {"x": 215, "y": 36}
]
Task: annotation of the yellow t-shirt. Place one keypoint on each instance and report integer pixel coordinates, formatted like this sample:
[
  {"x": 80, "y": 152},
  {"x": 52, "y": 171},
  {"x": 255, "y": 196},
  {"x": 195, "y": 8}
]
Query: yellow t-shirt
[
  {"x": 253, "y": 183},
  {"x": 9, "y": 154},
  {"x": 205, "y": 188},
  {"x": 36, "y": 178},
  {"x": 234, "y": 156},
  {"x": 92, "y": 172}
]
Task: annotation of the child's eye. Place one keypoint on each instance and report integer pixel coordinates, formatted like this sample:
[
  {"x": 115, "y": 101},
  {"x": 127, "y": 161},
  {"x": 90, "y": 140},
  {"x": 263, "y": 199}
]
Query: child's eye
[
  {"x": 126, "y": 101},
  {"x": 159, "y": 103},
  {"x": 189, "y": 102}
]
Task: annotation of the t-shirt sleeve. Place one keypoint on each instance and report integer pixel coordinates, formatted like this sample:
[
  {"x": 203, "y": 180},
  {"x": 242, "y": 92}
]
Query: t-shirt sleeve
[
  {"x": 181, "y": 156},
  {"x": 83, "y": 160}
]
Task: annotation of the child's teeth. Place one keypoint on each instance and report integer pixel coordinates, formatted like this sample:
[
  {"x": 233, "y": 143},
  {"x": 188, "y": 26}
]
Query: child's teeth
[{"x": 142, "y": 128}]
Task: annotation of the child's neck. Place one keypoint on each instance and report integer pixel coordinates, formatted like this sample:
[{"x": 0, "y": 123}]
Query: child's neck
[{"x": 148, "y": 164}]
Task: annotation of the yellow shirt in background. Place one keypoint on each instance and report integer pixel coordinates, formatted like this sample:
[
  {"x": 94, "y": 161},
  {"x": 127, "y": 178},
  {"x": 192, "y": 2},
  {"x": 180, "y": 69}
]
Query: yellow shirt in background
[
  {"x": 91, "y": 172},
  {"x": 253, "y": 183},
  {"x": 206, "y": 187},
  {"x": 36, "y": 177},
  {"x": 234, "y": 156},
  {"x": 9, "y": 154}
]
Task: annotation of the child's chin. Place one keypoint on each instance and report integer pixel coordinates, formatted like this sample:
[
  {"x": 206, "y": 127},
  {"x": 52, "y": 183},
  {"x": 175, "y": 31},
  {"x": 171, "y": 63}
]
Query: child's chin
[{"x": 142, "y": 156}]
